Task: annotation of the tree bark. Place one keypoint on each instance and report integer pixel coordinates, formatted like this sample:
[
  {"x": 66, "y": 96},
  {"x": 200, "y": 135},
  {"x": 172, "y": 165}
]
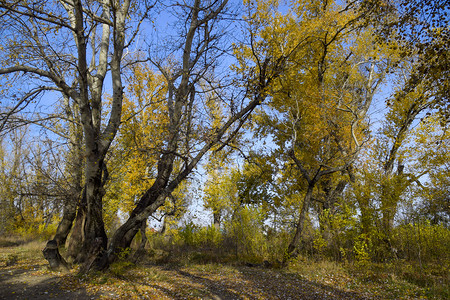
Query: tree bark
[
  {"x": 75, "y": 167},
  {"x": 54, "y": 258},
  {"x": 293, "y": 246},
  {"x": 64, "y": 227},
  {"x": 77, "y": 237},
  {"x": 216, "y": 219}
]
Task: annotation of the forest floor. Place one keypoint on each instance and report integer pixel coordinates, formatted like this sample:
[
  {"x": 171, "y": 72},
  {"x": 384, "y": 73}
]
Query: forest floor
[{"x": 24, "y": 275}]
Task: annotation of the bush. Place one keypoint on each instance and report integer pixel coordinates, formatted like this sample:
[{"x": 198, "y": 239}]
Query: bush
[
  {"x": 245, "y": 229},
  {"x": 423, "y": 242}
]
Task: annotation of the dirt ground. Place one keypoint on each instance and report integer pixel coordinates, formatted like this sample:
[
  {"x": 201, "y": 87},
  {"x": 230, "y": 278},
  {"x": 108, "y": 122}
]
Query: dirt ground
[
  {"x": 28, "y": 284},
  {"x": 24, "y": 275},
  {"x": 174, "y": 283}
]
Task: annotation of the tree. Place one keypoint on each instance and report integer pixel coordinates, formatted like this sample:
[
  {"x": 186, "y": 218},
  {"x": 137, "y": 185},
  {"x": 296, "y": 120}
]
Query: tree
[
  {"x": 33, "y": 183},
  {"x": 136, "y": 150},
  {"x": 420, "y": 29},
  {"x": 318, "y": 109},
  {"x": 65, "y": 47},
  {"x": 220, "y": 193},
  {"x": 12, "y": 180},
  {"x": 191, "y": 81},
  {"x": 73, "y": 50},
  {"x": 429, "y": 155}
]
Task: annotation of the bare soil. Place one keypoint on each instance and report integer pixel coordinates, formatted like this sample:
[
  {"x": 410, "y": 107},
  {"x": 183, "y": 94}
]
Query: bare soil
[
  {"x": 30, "y": 284},
  {"x": 24, "y": 275},
  {"x": 170, "y": 283}
]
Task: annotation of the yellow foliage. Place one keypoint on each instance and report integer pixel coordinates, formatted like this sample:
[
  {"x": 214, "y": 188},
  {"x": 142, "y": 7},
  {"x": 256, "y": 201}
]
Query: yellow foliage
[{"x": 137, "y": 147}]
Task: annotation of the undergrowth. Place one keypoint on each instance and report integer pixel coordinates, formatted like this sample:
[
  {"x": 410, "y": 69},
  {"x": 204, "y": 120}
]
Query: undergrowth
[
  {"x": 395, "y": 280},
  {"x": 398, "y": 279}
]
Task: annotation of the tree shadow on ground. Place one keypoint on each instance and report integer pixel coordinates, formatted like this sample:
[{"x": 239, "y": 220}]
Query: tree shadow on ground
[
  {"x": 23, "y": 284},
  {"x": 217, "y": 289},
  {"x": 276, "y": 285},
  {"x": 211, "y": 289},
  {"x": 258, "y": 283}
]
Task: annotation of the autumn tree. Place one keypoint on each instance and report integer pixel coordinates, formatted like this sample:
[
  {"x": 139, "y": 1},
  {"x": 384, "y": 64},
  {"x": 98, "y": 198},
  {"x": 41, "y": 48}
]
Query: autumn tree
[
  {"x": 318, "y": 109},
  {"x": 75, "y": 47},
  {"x": 419, "y": 29},
  {"x": 33, "y": 183},
  {"x": 12, "y": 179},
  {"x": 191, "y": 82},
  {"x": 70, "y": 47},
  {"x": 220, "y": 193},
  {"x": 418, "y": 78}
]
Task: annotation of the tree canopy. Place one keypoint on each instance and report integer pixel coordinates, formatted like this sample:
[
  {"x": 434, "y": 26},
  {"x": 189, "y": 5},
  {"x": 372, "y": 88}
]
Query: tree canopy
[{"x": 260, "y": 113}]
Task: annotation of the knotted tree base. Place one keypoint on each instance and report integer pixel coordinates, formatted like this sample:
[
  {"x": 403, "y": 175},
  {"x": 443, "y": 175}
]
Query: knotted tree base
[{"x": 54, "y": 258}]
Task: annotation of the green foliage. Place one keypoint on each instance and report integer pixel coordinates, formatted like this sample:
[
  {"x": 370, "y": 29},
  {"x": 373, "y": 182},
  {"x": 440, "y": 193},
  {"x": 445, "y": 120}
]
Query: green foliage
[
  {"x": 188, "y": 234},
  {"x": 361, "y": 250},
  {"x": 195, "y": 236},
  {"x": 29, "y": 230},
  {"x": 319, "y": 243},
  {"x": 122, "y": 264},
  {"x": 213, "y": 236},
  {"x": 245, "y": 229},
  {"x": 423, "y": 242},
  {"x": 337, "y": 228}
]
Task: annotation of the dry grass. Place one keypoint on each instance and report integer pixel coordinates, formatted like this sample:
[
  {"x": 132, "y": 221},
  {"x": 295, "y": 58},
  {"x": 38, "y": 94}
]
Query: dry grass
[
  {"x": 175, "y": 278},
  {"x": 396, "y": 280},
  {"x": 18, "y": 252}
]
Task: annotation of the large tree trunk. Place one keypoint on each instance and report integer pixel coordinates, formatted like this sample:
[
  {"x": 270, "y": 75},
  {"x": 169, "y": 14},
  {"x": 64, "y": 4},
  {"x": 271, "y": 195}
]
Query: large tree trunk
[
  {"x": 77, "y": 237},
  {"x": 293, "y": 246},
  {"x": 54, "y": 258},
  {"x": 95, "y": 240}
]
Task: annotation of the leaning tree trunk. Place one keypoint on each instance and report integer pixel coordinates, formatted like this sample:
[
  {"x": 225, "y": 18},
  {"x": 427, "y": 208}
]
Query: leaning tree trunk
[
  {"x": 124, "y": 235},
  {"x": 64, "y": 227}
]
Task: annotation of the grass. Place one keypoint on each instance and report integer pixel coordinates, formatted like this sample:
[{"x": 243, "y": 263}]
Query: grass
[
  {"x": 162, "y": 276},
  {"x": 12, "y": 241},
  {"x": 17, "y": 252},
  {"x": 396, "y": 280}
]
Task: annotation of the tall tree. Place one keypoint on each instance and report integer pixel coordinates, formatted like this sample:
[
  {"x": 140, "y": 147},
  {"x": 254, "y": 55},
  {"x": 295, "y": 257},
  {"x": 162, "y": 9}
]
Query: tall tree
[
  {"x": 76, "y": 48},
  {"x": 318, "y": 110},
  {"x": 66, "y": 46},
  {"x": 191, "y": 82},
  {"x": 420, "y": 29}
]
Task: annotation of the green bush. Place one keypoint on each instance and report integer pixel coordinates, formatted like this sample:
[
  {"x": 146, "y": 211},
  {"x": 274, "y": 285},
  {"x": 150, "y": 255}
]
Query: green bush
[{"x": 423, "y": 242}]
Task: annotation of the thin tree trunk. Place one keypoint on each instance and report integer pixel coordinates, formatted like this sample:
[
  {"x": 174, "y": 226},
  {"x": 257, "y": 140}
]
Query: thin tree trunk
[
  {"x": 141, "y": 249},
  {"x": 216, "y": 219},
  {"x": 64, "y": 227}
]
